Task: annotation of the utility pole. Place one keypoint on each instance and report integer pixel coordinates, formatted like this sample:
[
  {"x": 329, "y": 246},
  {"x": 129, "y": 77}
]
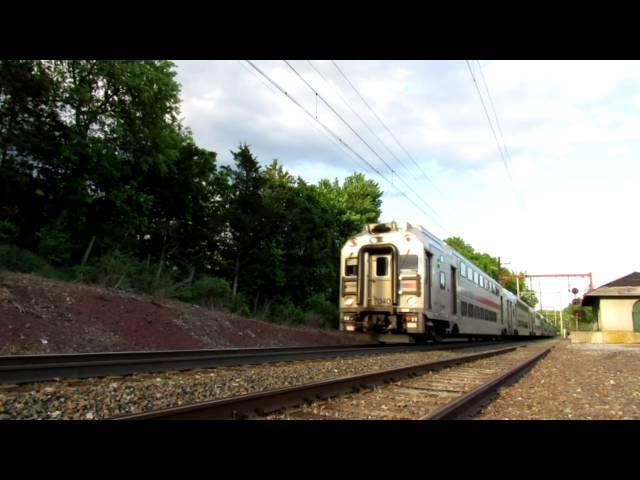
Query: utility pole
[{"x": 540, "y": 292}]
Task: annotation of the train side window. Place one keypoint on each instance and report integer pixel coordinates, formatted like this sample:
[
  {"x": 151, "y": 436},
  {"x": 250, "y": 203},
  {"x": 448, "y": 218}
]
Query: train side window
[
  {"x": 471, "y": 310},
  {"x": 463, "y": 269},
  {"x": 443, "y": 280},
  {"x": 475, "y": 277},
  {"x": 381, "y": 266},
  {"x": 463, "y": 308},
  {"x": 351, "y": 268}
]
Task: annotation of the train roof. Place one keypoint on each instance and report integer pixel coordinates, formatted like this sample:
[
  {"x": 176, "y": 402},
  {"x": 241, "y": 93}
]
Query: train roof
[{"x": 419, "y": 230}]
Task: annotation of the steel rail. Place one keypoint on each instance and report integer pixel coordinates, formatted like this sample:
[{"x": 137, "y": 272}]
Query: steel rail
[
  {"x": 261, "y": 403},
  {"x": 471, "y": 402},
  {"x": 35, "y": 368}
]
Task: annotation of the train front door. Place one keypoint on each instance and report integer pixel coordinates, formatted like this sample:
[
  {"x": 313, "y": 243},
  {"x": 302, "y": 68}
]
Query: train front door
[{"x": 380, "y": 284}]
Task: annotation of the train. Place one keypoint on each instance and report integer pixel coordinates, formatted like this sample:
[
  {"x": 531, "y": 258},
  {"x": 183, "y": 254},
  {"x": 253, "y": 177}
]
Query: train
[{"x": 401, "y": 280}]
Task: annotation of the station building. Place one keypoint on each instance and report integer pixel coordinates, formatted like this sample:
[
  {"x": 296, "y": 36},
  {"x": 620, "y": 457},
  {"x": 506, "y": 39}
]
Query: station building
[{"x": 616, "y": 307}]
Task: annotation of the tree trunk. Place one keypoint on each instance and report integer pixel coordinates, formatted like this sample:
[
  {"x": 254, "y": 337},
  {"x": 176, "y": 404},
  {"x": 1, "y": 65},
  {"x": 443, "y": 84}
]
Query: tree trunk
[
  {"x": 88, "y": 250},
  {"x": 235, "y": 276},
  {"x": 161, "y": 264},
  {"x": 255, "y": 303},
  {"x": 192, "y": 272}
]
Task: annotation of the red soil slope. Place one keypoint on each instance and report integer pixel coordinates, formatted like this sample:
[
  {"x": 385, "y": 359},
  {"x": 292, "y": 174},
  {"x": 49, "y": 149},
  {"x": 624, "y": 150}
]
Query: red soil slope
[{"x": 38, "y": 315}]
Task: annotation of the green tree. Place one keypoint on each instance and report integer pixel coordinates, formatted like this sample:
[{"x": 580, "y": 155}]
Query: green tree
[
  {"x": 490, "y": 265},
  {"x": 245, "y": 221}
]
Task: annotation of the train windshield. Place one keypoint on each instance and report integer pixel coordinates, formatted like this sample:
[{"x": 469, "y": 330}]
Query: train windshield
[
  {"x": 351, "y": 267},
  {"x": 408, "y": 262}
]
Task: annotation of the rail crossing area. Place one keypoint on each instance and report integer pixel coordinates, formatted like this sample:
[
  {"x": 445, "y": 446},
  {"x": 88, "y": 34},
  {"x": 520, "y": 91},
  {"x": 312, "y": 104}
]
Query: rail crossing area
[{"x": 534, "y": 379}]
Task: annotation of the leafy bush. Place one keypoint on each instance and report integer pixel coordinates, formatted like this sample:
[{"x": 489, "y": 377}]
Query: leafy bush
[
  {"x": 320, "y": 312},
  {"x": 207, "y": 291},
  {"x": 54, "y": 244},
  {"x": 118, "y": 270},
  {"x": 7, "y": 231},
  {"x": 17, "y": 259},
  {"x": 285, "y": 312},
  {"x": 240, "y": 305}
]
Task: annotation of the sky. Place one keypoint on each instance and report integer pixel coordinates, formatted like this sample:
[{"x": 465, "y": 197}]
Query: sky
[{"x": 556, "y": 193}]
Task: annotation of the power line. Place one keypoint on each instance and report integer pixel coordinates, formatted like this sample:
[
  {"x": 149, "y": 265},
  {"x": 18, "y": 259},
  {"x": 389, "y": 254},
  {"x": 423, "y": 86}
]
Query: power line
[
  {"x": 384, "y": 125},
  {"x": 338, "y": 145},
  {"x": 360, "y": 137},
  {"x": 502, "y": 155},
  {"x": 359, "y": 117},
  {"x": 495, "y": 114},
  {"x": 290, "y": 97}
]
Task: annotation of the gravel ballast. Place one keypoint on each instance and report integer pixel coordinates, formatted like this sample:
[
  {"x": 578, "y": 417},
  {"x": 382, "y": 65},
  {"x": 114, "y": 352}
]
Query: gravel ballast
[
  {"x": 579, "y": 381},
  {"x": 99, "y": 398}
]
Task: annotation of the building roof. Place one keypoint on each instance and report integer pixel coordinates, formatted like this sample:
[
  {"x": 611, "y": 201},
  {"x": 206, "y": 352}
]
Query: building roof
[
  {"x": 628, "y": 286},
  {"x": 631, "y": 280}
]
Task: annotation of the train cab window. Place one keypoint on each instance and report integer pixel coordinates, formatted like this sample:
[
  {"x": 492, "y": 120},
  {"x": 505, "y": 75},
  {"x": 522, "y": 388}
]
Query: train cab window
[
  {"x": 443, "y": 280},
  {"x": 381, "y": 266},
  {"x": 351, "y": 267},
  {"x": 409, "y": 262}
]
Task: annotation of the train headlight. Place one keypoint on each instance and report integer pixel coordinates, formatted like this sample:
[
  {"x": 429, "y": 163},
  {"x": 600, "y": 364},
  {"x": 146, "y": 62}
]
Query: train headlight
[
  {"x": 349, "y": 301},
  {"x": 411, "y": 301}
]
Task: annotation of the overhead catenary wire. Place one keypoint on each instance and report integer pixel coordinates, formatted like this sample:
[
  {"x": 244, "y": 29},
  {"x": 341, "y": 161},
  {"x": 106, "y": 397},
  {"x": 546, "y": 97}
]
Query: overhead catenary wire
[
  {"x": 340, "y": 147},
  {"x": 502, "y": 154},
  {"x": 495, "y": 114},
  {"x": 384, "y": 125},
  {"x": 366, "y": 124},
  {"x": 337, "y": 90},
  {"x": 339, "y": 139},
  {"x": 362, "y": 139}
]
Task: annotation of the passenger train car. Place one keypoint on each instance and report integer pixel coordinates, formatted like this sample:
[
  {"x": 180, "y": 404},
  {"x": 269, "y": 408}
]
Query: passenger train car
[{"x": 404, "y": 280}]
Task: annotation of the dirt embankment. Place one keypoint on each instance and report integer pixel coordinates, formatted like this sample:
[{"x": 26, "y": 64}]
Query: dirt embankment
[{"x": 38, "y": 315}]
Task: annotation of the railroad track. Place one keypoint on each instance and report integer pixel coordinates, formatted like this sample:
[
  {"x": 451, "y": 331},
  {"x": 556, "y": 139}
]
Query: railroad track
[
  {"x": 17, "y": 369},
  {"x": 444, "y": 389}
]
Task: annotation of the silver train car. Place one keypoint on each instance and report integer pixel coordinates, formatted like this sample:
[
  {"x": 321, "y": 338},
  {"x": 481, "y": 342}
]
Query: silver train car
[{"x": 403, "y": 280}]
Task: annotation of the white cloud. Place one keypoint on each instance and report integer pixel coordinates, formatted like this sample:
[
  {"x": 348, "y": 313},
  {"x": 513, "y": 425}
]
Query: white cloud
[{"x": 572, "y": 128}]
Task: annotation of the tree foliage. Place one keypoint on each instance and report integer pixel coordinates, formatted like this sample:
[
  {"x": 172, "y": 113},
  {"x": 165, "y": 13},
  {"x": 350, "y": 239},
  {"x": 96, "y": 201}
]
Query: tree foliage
[
  {"x": 101, "y": 178},
  {"x": 491, "y": 265}
]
